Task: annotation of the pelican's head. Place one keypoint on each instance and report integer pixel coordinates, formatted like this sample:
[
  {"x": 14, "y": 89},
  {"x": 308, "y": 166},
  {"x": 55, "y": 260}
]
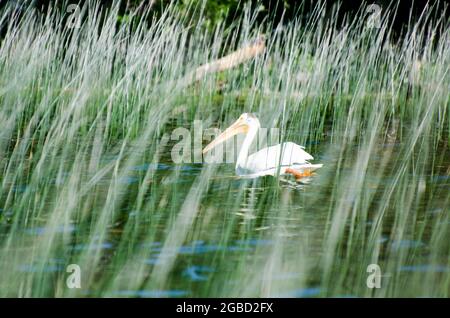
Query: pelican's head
[{"x": 245, "y": 122}]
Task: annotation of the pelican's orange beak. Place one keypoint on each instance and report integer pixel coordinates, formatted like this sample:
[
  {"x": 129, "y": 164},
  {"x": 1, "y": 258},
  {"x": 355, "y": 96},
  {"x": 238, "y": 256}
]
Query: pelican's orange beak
[{"x": 238, "y": 127}]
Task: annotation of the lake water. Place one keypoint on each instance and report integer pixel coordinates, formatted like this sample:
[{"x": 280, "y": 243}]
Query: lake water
[{"x": 262, "y": 237}]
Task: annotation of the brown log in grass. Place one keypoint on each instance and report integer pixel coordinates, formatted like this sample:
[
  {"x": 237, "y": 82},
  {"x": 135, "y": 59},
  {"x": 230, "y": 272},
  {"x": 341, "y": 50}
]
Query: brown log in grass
[{"x": 227, "y": 62}]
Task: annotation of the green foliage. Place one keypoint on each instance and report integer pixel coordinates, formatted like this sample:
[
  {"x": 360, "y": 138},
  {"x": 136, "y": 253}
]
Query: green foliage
[{"x": 87, "y": 176}]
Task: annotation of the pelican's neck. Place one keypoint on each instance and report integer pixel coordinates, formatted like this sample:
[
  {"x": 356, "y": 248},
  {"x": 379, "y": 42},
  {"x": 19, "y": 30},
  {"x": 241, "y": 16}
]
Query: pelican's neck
[{"x": 243, "y": 153}]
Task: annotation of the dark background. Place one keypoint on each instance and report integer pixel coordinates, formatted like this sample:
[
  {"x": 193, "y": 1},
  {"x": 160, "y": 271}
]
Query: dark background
[{"x": 280, "y": 11}]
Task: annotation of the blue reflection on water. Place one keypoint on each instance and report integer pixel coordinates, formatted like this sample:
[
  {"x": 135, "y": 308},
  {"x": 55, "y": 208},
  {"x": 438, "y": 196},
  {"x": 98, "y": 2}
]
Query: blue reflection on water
[
  {"x": 199, "y": 247},
  {"x": 43, "y": 230},
  {"x": 150, "y": 166},
  {"x": 21, "y": 188},
  {"x": 300, "y": 293},
  {"x": 150, "y": 293},
  {"x": 405, "y": 244},
  {"x": 194, "y": 272},
  {"x": 440, "y": 178},
  {"x": 425, "y": 268},
  {"x": 97, "y": 246},
  {"x": 254, "y": 242},
  {"x": 28, "y": 268},
  {"x": 128, "y": 180}
]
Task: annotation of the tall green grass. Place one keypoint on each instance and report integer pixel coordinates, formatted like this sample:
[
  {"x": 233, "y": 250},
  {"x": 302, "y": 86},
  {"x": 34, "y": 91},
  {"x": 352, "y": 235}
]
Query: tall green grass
[{"x": 87, "y": 177}]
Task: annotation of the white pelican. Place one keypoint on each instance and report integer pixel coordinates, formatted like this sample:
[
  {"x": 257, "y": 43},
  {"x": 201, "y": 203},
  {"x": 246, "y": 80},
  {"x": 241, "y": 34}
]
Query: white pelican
[{"x": 285, "y": 158}]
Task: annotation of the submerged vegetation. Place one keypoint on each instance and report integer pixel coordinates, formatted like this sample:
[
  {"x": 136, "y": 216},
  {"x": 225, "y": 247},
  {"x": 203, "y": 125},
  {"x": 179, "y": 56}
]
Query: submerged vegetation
[{"x": 87, "y": 178}]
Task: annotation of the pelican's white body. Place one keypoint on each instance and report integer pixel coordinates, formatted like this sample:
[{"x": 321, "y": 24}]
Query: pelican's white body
[
  {"x": 271, "y": 160},
  {"x": 276, "y": 159}
]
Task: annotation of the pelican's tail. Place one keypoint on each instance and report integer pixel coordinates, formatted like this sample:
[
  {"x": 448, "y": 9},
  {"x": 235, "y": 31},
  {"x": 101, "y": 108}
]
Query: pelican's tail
[{"x": 302, "y": 171}]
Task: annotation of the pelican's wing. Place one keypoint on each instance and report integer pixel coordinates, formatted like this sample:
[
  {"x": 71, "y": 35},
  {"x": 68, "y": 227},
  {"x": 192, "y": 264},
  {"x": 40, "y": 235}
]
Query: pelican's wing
[{"x": 285, "y": 154}]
